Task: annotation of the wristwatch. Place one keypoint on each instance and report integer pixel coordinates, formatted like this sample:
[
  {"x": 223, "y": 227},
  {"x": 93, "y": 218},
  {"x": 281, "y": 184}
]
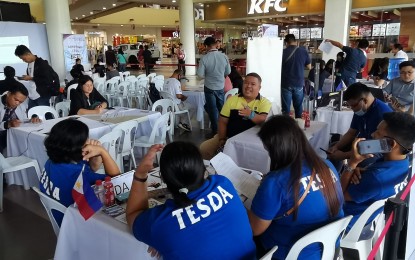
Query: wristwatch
[{"x": 347, "y": 168}]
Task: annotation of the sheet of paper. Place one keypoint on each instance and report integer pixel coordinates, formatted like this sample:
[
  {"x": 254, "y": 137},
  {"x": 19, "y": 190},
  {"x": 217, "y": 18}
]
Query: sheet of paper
[
  {"x": 325, "y": 47},
  {"x": 245, "y": 182}
]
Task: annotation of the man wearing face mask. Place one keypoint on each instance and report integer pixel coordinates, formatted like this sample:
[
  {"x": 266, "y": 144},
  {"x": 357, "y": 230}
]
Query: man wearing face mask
[
  {"x": 368, "y": 113},
  {"x": 172, "y": 85}
]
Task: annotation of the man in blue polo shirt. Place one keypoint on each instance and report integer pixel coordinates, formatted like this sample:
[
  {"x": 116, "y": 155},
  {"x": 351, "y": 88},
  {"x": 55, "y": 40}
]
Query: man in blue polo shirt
[
  {"x": 387, "y": 176},
  {"x": 368, "y": 113},
  {"x": 354, "y": 62},
  {"x": 294, "y": 60}
]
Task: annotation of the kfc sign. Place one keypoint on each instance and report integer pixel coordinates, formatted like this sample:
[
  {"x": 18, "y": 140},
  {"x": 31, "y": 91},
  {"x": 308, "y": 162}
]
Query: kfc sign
[{"x": 257, "y": 6}]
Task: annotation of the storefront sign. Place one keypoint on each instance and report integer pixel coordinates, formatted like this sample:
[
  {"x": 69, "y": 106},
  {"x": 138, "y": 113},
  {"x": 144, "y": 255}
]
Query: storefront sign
[
  {"x": 257, "y": 6},
  {"x": 199, "y": 14}
]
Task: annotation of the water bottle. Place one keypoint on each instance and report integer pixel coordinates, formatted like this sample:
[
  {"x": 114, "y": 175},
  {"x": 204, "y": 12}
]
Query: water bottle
[
  {"x": 99, "y": 191},
  {"x": 109, "y": 197}
]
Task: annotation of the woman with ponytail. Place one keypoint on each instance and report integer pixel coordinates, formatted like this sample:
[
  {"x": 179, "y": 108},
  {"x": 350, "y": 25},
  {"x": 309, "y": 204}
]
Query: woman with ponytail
[
  {"x": 301, "y": 192},
  {"x": 205, "y": 219}
]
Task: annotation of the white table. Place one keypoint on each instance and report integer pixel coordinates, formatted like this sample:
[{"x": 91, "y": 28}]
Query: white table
[
  {"x": 197, "y": 98},
  {"x": 100, "y": 237},
  {"x": 28, "y": 139},
  {"x": 247, "y": 150},
  {"x": 339, "y": 121}
]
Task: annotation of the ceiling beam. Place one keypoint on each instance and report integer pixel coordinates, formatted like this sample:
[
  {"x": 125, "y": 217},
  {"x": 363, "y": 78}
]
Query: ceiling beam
[{"x": 113, "y": 10}]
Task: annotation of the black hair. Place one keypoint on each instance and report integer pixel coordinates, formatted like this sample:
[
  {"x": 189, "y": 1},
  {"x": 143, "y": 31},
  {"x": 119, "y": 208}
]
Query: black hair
[
  {"x": 400, "y": 126},
  {"x": 65, "y": 141},
  {"x": 141, "y": 47},
  {"x": 406, "y": 64},
  {"x": 181, "y": 166},
  {"x": 356, "y": 91},
  {"x": 341, "y": 54},
  {"x": 21, "y": 50},
  {"x": 177, "y": 71},
  {"x": 77, "y": 59},
  {"x": 289, "y": 38},
  {"x": 398, "y": 46},
  {"x": 9, "y": 72},
  {"x": 120, "y": 51},
  {"x": 82, "y": 80},
  {"x": 16, "y": 86},
  {"x": 384, "y": 64},
  {"x": 146, "y": 47},
  {"x": 288, "y": 146},
  {"x": 209, "y": 41},
  {"x": 329, "y": 66},
  {"x": 255, "y": 75},
  {"x": 363, "y": 44}
]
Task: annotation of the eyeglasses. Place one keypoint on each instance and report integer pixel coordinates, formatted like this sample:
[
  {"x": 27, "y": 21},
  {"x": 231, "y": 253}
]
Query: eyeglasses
[
  {"x": 406, "y": 72},
  {"x": 406, "y": 149}
]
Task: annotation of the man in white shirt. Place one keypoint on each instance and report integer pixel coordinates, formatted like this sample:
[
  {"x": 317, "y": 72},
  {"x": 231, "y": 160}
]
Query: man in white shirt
[
  {"x": 398, "y": 52},
  {"x": 172, "y": 85}
]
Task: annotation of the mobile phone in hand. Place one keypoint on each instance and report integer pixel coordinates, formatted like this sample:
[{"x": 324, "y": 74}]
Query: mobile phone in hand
[{"x": 374, "y": 146}]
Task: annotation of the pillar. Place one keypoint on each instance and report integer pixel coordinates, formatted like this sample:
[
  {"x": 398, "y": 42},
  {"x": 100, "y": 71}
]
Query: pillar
[
  {"x": 187, "y": 33},
  {"x": 337, "y": 24},
  {"x": 159, "y": 42},
  {"x": 58, "y": 22}
]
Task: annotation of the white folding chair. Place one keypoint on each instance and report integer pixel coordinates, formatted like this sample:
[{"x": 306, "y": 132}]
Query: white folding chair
[
  {"x": 70, "y": 88},
  {"x": 268, "y": 255},
  {"x": 51, "y": 205},
  {"x": 112, "y": 143},
  {"x": 12, "y": 164},
  {"x": 128, "y": 129},
  {"x": 177, "y": 111},
  {"x": 41, "y": 112},
  {"x": 327, "y": 235},
  {"x": 231, "y": 92},
  {"x": 62, "y": 108},
  {"x": 166, "y": 106},
  {"x": 157, "y": 135},
  {"x": 355, "y": 240}
]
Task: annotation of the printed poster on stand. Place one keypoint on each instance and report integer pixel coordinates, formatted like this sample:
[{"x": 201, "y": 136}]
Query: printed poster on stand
[{"x": 74, "y": 46}]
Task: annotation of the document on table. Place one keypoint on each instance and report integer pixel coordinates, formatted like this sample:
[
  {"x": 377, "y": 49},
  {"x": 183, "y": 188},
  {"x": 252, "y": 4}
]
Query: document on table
[
  {"x": 245, "y": 182},
  {"x": 325, "y": 47}
]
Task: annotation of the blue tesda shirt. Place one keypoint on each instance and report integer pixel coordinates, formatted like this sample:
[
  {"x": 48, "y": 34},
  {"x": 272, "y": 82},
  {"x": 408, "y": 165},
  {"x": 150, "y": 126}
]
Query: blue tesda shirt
[
  {"x": 58, "y": 179},
  {"x": 292, "y": 71},
  {"x": 380, "y": 180},
  {"x": 274, "y": 197},
  {"x": 367, "y": 124},
  {"x": 353, "y": 63},
  {"x": 215, "y": 227}
]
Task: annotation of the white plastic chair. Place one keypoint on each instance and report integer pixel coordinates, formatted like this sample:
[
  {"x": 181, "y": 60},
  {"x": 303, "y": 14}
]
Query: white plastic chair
[
  {"x": 128, "y": 129},
  {"x": 63, "y": 107},
  {"x": 118, "y": 78},
  {"x": 12, "y": 164},
  {"x": 151, "y": 76},
  {"x": 352, "y": 239},
  {"x": 166, "y": 106},
  {"x": 157, "y": 135},
  {"x": 141, "y": 76},
  {"x": 159, "y": 77},
  {"x": 268, "y": 255},
  {"x": 68, "y": 92},
  {"x": 122, "y": 93},
  {"x": 99, "y": 80},
  {"x": 231, "y": 92},
  {"x": 41, "y": 111},
  {"x": 110, "y": 88},
  {"x": 112, "y": 143},
  {"x": 50, "y": 206},
  {"x": 159, "y": 83},
  {"x": 327, "y": 235},
  {"x": 177, "y": 111}
]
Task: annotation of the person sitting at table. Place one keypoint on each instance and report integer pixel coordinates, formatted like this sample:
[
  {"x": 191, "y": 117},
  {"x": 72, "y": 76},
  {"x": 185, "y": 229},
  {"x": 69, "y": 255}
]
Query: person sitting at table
[
  {"x": 385, "y": 177},
  {"x": 85, "y": 99},
  {"x": 13, "y": 110},
  {"x": 70, "y": 152},
  {"x": 172, "y": 85},
  {"x": 111, "y": 71},
  {"x": 205, "y": 219},
  {"x": 9, "y": 79},
  {"x": 368, "y": 112},
  {"x": 380, "y": 72},
  {"x": 400, "y": 91},
  {"x": 77, "y": 69},
  {"x": 238, "y": 114},
  {"x": 284, "y": 203}
]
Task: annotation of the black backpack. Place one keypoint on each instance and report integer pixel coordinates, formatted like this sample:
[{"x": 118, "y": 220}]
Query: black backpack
[
  {"x": 55, "y": 84},
  {"x": 154, "y": 94}
]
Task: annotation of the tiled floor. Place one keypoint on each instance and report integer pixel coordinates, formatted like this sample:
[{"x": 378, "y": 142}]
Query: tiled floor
[{"x": 25, "y": 230}]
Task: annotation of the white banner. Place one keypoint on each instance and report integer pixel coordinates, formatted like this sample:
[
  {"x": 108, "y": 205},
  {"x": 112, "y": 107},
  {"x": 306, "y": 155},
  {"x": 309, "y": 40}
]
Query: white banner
[
  {"x": 74, "y": 46},
  {"x": 264, "y": 57}
]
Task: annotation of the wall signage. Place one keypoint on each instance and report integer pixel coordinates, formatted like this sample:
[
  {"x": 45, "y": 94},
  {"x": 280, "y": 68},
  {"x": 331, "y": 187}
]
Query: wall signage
[{"x": 263, "y": 6}]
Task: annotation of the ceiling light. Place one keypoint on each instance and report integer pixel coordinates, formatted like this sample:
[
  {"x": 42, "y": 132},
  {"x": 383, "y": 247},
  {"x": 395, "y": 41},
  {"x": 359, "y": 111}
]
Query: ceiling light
[
  {"x": 164, "y": 26},
  {"x": 173, "y": 1},
  {"x": 316, "y": 23},
  {"x": 91, "y": 12},
  {"x": 83, "y": 15},
  {"x": 104, "y": 8},
  {"x": 201, "y": 4},
  {"x": 122, "y": 25},
  {"x": 229, "y": 8},
  {"x": 302, "y": 16},
  {"x": 76, "y": 18},
  {"x": 97, "y": 24},
  {"x": 114, "y": 4},
  {"x": 386, "y": 12},
  {"x": 366, "y": 21}
]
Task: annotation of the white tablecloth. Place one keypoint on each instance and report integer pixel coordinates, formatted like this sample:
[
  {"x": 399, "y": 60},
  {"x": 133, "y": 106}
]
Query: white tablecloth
[
  {"x": 197, "y": 98},
  {"x": 100, "y": 237},
  {"x": 28, "y": 139},
  {"x": 247, "y": 150},
  {"x": 339, "y": 121}
]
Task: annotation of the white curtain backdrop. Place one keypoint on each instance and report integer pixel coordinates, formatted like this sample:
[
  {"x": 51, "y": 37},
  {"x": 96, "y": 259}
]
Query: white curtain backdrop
[{"x": 264, "y": 57}]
